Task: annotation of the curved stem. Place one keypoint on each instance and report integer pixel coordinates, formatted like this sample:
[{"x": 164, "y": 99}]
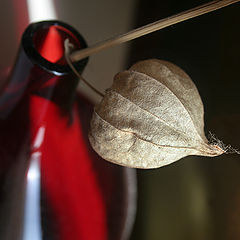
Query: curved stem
[
  {"x": 152, "y": 27},
  {"x": 67, "y": 46}
]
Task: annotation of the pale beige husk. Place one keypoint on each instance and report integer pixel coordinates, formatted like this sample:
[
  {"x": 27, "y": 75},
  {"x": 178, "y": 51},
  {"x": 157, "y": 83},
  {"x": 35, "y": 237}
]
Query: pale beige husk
[{"x": 150, "y": 117}]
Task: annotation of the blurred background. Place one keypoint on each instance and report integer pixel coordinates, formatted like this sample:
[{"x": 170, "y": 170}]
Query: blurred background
[{"x": 195, "y": 198}]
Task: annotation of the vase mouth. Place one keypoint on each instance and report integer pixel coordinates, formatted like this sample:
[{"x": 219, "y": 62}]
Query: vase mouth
[{"x": 43, "y": 43}]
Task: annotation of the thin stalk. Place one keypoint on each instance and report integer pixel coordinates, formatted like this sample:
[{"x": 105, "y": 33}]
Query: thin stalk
[
  {"x": 152, "y": 27},
  {"x": 67, "y": 47}
]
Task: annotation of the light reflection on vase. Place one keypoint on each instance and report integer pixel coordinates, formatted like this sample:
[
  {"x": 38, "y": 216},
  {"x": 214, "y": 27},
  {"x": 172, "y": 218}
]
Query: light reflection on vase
[{"x": 44, "y": 131}]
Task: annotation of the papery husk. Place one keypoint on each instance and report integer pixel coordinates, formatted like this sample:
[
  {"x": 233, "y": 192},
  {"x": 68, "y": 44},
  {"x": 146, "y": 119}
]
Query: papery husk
[{"x": 150, "y": 117}]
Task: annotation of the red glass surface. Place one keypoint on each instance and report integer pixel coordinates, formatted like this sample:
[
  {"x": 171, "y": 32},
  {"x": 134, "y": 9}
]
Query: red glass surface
[
  {"x": 82, "y": 196},
  {"x": 67, "y": 174},
  {"x": 50, "y": 45},
  {"x": 66, "y": 171}
]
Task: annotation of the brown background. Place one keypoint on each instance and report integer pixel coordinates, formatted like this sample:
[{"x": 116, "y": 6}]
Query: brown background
[{"x": 195, "y": 198}]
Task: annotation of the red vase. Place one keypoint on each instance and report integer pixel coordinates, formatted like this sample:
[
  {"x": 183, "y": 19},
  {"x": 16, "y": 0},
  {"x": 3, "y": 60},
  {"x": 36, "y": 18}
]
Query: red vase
[{"x": 53, "y": 185}]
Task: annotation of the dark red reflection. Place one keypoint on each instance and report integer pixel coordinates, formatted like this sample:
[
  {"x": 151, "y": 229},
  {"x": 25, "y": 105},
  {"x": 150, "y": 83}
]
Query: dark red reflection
[
  {"x": 82, "y": 196},
  {"x": 49, "y": 42},
  {"x": 67, "y": 176}
]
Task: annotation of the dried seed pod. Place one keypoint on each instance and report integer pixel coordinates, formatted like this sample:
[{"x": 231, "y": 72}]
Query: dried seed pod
[{"x": 150, "y": 117}]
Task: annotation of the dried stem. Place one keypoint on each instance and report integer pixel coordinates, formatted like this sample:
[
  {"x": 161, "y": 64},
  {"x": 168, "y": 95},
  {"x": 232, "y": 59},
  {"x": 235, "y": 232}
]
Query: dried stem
[
  {"x": 68, "y": 46},
  {"x": 152, "y": 27},
  {"x": 214, "y": 141}
]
